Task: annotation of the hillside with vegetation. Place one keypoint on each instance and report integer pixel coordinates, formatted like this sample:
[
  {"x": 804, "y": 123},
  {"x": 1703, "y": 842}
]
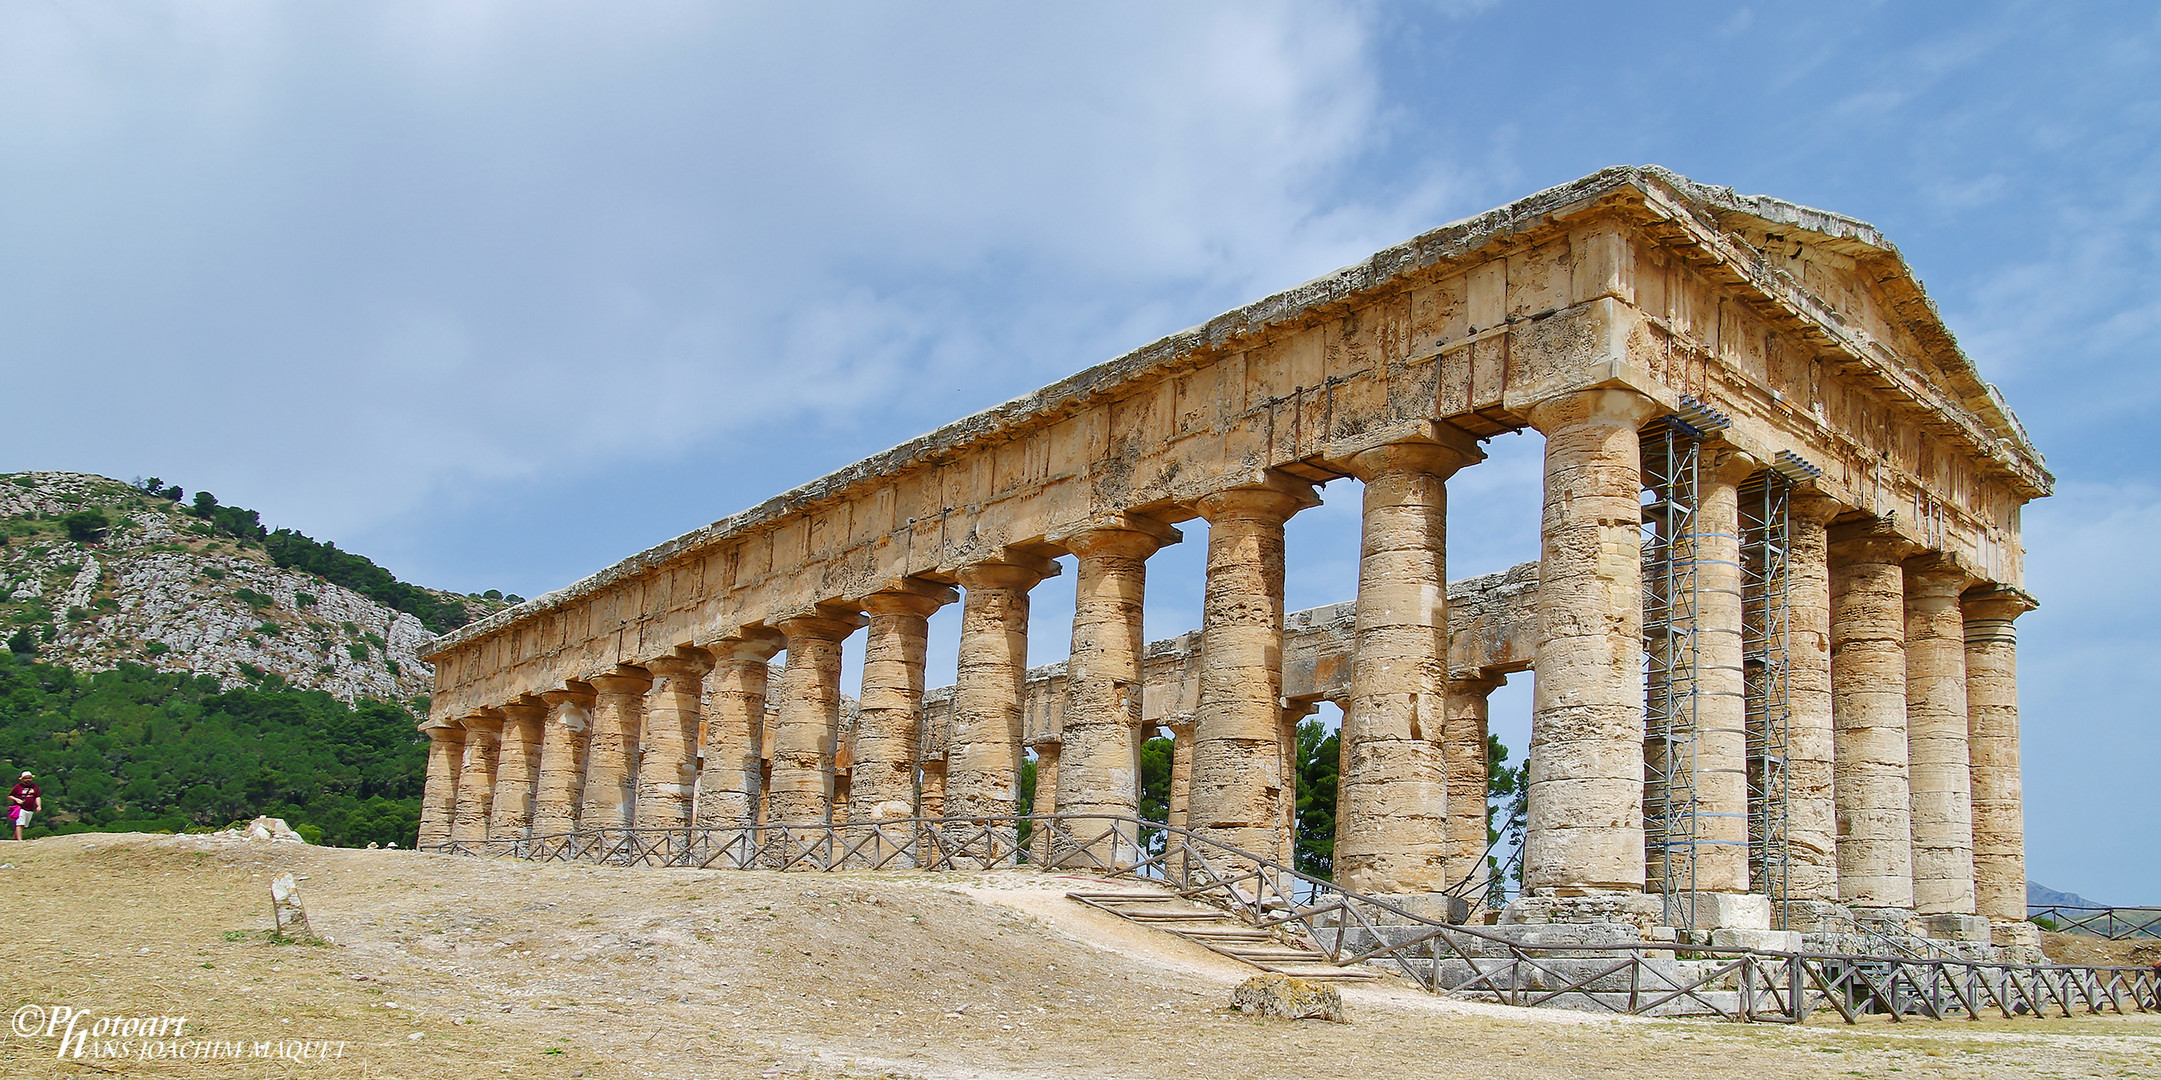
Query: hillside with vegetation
[
  {"x": 137, "y": 750},
  {"x": 173, "y": 663},
  {"x": 95, "y": 572}
]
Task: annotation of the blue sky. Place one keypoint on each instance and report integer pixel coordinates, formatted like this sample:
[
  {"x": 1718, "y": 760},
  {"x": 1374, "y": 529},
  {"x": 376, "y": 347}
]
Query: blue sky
[{"x": 499, "y": 293}]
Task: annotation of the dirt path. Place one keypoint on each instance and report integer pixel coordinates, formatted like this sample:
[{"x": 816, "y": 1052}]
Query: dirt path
[{"x": 455, "y": 967}]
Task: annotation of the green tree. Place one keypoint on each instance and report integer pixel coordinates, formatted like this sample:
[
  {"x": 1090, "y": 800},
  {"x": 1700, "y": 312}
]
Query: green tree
[
  {"x": 1320, "y": 759},
  {"x": 86, "y": 526}
]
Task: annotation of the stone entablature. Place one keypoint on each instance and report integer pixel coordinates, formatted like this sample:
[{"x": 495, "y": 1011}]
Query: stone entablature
[
  {"x": 1626, "y": 277},
  {"x": 1791, "y": 348}
]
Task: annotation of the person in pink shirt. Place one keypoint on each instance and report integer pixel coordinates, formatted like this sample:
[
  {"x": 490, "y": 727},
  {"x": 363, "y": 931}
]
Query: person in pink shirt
[{"x": 23, "y": 800}]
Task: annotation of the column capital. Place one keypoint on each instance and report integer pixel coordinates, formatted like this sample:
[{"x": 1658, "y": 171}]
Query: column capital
[
  {"x": 1447, "y": 438},
  {"x": 625, "y": 680},
  {"x": 524, "y": 710},
  {"x": 1438, "y": 457},
  {"x": 1603, "y": 406},
  {"x": 682, "y": 664},
  {"x": 443, "y": 730},
  {"x": 1811, "y": 505},
  {"x": 1997, "y": 601},
  {"x": 823, "y": 622},
  {"x": 1012, "y": 570},
  {"x": 910, "y": 596},
  {"x": 1302, "y": 706},
  {"x": 484, "y": 722},
  {"x": 1274, "y": 498},
  {"x": 579, "y": 694},
  {"x": 752, "y": 644},
  {"x": 1869, "y": 540},
  {"x": 1936, "y": 573},
  {"x": 1725, "y": 463},
  {"x": 1474, "y": 683},
  {"x": 1132, "y": 535}
]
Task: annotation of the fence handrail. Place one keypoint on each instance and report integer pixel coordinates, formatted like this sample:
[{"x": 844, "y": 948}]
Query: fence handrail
[{"x": 1440, "y": 956}]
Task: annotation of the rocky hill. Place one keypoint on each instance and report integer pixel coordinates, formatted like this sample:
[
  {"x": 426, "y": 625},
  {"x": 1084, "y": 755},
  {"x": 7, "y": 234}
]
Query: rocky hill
[{"x": 95, "y": 571}]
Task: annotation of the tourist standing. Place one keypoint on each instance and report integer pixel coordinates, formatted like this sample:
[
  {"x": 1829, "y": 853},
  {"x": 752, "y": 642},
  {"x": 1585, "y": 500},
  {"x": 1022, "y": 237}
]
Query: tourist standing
[{"x": 23, "y": 800}]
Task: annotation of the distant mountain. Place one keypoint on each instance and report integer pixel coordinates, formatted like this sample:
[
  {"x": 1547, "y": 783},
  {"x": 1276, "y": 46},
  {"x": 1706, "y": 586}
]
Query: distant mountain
[
  {"x": 95, "y": 571},
  {"x": 2039, "y": 895}
]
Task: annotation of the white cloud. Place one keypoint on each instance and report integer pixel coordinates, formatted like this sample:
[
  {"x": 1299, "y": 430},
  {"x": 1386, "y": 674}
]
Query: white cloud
[{"x": 409, "y": 248}]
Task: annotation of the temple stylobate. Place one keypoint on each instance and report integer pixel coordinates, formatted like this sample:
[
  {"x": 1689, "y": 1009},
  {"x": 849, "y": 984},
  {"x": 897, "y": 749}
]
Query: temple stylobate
[{"x": 1769, "y": 627}]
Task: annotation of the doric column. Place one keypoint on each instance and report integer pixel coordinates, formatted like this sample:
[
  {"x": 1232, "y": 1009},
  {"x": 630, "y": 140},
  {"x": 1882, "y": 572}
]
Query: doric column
[
  {"x": 1099, "y": 744},
  {"x": 439, "y": 796},
  {"x": 1585, "y": 766},
  {"x": 731, "y": 780},
  {"x": 563, "y": 740},
  {"x": 801, "y": 790},
  {"x": 1868, "y": 712},
  {"x": 882, "y": 783},
  {"x": 1463, "y": 758},
  {"x": 1940, "y": 772},
  {"x": 609, "y": 800},
  {"x": 1294, "y": 714},
  {"x": 1720, "y": 857},
  {"x": 983, "y": 758},
  {"x": 1811, "y": 808},
  {"x": 1237, "y": 779},
  {"x": 1999, "y": 817},
  {"x": 517, "y": 766},
  {"x": 476, "y": 776},
  {"x": 1392, "y": 798},
  {"x": 1181, "y": 792},
  {"x": 668, "y": 743},
  {"x": 933, "y": 795},
  {"x": 1043, "y": 800}
]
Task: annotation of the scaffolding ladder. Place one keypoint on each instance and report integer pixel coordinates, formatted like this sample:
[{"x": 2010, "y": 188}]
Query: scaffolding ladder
[{"x": 1672, "y": 450}]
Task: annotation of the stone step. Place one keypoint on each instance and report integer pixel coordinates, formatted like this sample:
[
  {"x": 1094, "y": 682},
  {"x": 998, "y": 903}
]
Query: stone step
[
  {"x": 1171, "y": 916},
  {"x": 1120, "y": 897},
  {"x": 1227, "y": 933},
  {"x": 1323, "y": 972}
]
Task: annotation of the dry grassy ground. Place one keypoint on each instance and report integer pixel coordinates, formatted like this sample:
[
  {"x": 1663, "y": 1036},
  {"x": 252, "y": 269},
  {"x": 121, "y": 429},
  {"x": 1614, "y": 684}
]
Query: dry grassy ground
[{"x": 454, "y": 967}]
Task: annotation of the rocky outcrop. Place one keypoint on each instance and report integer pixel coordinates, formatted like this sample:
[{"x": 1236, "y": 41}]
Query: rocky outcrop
[{"x": 158, "y": 588}]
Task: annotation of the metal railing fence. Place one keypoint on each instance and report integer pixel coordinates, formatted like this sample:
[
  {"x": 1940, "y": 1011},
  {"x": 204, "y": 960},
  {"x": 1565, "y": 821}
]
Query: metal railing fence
[{"x": 1354, "y": 928}]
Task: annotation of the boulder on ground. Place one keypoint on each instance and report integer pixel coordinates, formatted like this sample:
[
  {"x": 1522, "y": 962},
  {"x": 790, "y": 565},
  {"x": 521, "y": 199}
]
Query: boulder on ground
[{"x": 1289, "y": 998}]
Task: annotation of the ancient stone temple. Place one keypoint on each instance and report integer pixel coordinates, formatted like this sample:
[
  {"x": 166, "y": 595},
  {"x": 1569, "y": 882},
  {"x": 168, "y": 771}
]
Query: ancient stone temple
[{"x": 1770, "y": 623}]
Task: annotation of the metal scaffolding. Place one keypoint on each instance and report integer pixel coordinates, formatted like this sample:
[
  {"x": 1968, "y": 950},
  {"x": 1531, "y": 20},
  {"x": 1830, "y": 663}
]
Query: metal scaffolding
[
  {"x": 1671, "y": 454},
  {"x": 1766, "y": 633}
]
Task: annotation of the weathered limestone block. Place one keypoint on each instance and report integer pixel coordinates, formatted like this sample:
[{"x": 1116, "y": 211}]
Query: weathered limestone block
[
  {"x": 563, "y": 742},
  {"x": 1999, "y": 822},
  {"x": 1585, "y": 832},
  {"x": 1868, "y": 707},
  {"x": 609, "y": 798},
  {"x": 1463, "y": 751},
  {"x": 1939, "y": 770},
  {"x": 668, "y": 770},
  {"x": 1392, "y": 798},
  {"x": 517, "y": 762},
  {"x": 1181, "y": 793},
  {"x": 287, "y": 913},
  {"x": 1288, "y": 998},
  {"x": 476, "y": 777},
  {"x": 1811, "y": 807},
  {"x": 1237, "y": 778},
  {"x": 881, "y": 776},
  {"x": 1098, "y": 761},
  {"x": 983, "y": 762},
  {"x": 731, "y": 781},
  {"x": 439, "y": 798},
  {"x": 804, "y": 732}
]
